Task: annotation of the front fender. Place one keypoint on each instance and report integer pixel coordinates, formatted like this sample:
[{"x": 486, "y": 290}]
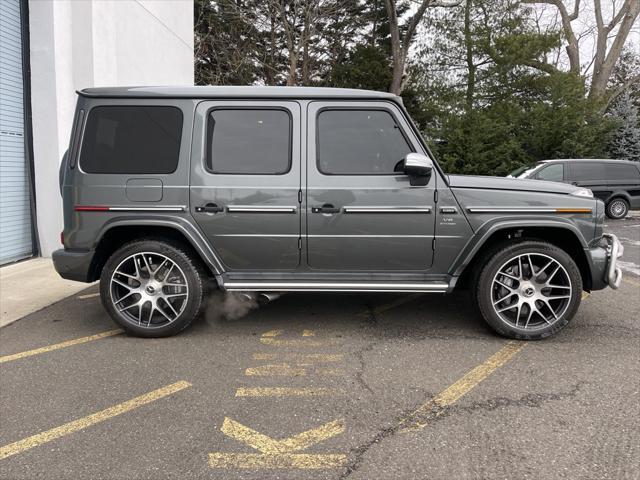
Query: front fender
[{"x": 490, "y": 227}]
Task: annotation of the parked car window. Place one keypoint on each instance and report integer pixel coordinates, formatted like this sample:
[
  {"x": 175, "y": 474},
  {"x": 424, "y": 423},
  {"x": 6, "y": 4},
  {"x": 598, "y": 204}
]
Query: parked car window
[
  {"x": 132, "y": 140},
  {"x": 359, "y": 142},
  {"x": 620, "y": 171},
  {"x": 588, "y": 171},
  {"x": 552, "y": 173},
  {"x": 252, "y": 142}
]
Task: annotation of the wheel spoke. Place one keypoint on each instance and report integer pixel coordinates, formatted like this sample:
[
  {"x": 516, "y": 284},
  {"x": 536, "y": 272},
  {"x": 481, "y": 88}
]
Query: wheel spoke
[
  {"x": 532, "y": 309},
  {"x": 518, "y": 313},
  {"x": 132, "y": 292},
  {"x": 122, "y": 284},
  {"x": 118, "y": 272},
  {"x": 557, "y": 297},
  {"x": 511, "y": 289},
  {"x": 508, "y": 295},
  {"x": 509, "y": 276},
  {"x": 555, "y": 270},
  {"x": 533, "y": 273},
  {"x": 162, "y": 312},
  {"x": 506, "y": 308},
  {"x": 170, "y": 306},
  {"x": 557, "y": 286},
  {"x": 171, "y": 295},
  {"x": 137, "y": 304}
]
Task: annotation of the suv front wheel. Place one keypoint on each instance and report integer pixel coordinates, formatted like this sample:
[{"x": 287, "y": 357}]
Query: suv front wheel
[
  {"x": 151, "y": 288},
  {"x": 529, "y": 290}
]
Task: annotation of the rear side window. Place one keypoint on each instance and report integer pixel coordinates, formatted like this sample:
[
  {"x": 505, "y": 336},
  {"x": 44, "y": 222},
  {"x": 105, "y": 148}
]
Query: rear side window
[
  {"x": 618, "y": 171},
  {"x": 584, "y": 171},
  {"x": 132, "y": 140},
  {"x": 249, "y": 141},
  {"x": 552, "y": 173},
  {"x": 359, "y": 142}
]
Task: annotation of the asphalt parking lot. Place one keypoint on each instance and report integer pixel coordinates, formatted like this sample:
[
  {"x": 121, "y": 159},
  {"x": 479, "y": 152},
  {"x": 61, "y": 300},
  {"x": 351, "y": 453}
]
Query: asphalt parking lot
[{"x": 320, "y": 386}]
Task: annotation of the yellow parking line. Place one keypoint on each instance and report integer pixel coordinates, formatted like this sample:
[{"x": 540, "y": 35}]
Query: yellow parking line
[
  {"x": 300, "y": 357},
  {"x": 308, "y": 333},
  {"x": 434, "y": 407},
  {"x": 57, "y": 346},
  {"x": 283, "y": 392},
  {"x": 585, "y": 295},
  {"x": 82, "y": 423},
  {"x": 631, "y": 282}
]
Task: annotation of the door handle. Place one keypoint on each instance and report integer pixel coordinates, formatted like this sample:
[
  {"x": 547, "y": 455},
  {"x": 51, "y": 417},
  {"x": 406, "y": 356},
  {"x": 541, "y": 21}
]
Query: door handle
[
  {"x": 326, "y": 208},
  {"x": 209, "y": 208}
]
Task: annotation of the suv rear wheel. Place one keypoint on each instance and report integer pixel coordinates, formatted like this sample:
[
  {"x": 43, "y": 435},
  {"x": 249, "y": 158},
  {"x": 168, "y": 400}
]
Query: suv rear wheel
[
  {"x": 617, "y": 208},
  {"x": 529, "y": 290},
  {"x": 152, "y": 288}
]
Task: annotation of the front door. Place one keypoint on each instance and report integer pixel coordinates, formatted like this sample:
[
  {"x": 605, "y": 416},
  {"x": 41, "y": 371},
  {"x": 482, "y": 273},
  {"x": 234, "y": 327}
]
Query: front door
[
  {"x": 361, "y": 213},
  {"x": 245, "y": 182}
]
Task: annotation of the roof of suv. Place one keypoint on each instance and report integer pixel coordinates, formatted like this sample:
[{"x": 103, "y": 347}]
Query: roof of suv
[
  {"x": 607, "y": 160},
  {"x": 235, "y": 92}
]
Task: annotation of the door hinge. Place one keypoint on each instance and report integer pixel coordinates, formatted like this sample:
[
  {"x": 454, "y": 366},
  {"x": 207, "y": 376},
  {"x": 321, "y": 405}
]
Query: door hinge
[
  {"x": 433, "y": 244},
  {"x": 435, "y": 196},
  {"x": 299, "y": 196},
  {"x": 299, "y": 243}
]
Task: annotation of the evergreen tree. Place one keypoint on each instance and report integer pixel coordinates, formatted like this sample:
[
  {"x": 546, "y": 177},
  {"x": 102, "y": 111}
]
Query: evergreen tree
[{"x": 625, "y": 141}]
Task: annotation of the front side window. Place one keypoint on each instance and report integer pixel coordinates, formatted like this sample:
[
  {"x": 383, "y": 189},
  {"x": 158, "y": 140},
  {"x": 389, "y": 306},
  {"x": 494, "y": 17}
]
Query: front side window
[
  {"x": 249, "y": 141},
  {"x": 552, "y": 173},
  {"x": 132, "y": 140},
  {"x": 359, "y": 142}
]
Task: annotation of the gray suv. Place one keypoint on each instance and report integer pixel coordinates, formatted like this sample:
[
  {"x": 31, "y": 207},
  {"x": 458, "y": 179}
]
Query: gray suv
[{"x": 276, "y": 189}]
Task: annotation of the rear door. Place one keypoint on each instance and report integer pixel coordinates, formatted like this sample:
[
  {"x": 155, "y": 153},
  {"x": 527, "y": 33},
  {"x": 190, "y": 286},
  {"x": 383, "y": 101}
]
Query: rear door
[
  {"x": 361, "y": 214},
  {"x": 245, "y": 182}
]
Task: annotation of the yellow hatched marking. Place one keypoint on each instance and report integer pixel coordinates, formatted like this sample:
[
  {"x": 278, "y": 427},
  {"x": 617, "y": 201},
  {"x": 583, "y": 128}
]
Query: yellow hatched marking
[
  {"x": 283, "y": 369},
  {"x": 295, "y": 342},
  {"x": 308, "y": 333},
  {"x": 257, "y": 461},
  {"x": 299, "y": 357},
  {"x": 58, "y": 346},
  {"x": 273, "y": 333},
  {"x": 436, "y": 406},
  {"x": 82, "y": 423},
  {"x": 278, "y": 453},
  {"x": 284, "y": 392}
]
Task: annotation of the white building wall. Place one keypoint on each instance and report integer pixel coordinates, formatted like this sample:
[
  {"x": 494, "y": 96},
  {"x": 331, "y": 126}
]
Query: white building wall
[{"x": 77, "y": 44}]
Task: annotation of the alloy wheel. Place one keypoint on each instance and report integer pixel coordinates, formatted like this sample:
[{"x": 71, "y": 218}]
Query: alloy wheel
[
  {"x": 149, "y": 289},
  {"x": 531, "y": 291}
]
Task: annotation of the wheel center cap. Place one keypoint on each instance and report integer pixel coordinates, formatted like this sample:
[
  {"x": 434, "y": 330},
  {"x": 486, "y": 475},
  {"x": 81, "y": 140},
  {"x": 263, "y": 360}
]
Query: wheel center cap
[
  {"x": 150, "y": 289},
  {"x": 528, "y": 291}
]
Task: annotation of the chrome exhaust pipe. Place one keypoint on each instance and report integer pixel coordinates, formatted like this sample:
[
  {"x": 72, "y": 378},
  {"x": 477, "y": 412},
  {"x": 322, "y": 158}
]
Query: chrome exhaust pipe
[{"x": 266, "y": 297}]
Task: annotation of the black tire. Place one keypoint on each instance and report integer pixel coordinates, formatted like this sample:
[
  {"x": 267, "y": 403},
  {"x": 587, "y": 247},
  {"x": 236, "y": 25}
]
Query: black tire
[
  {"x": 617, "y": 208},
  {"x": 190, "y": 279},
  {"x": 510, "y": 323}
]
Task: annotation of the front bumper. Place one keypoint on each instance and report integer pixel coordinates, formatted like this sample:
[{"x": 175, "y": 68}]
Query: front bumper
[{"x": 73, "y": 265}]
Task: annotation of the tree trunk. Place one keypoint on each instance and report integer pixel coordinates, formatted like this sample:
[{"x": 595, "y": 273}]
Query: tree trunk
[
  {"x": 397, "y": 53},
  {"x": 471, "y": 68}
]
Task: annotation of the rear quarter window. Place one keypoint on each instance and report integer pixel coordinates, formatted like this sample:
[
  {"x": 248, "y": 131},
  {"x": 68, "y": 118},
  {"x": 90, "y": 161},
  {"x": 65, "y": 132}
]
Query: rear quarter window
[
  {"x": 622, "y": 172},
  {"x": 132, "y": 140}
]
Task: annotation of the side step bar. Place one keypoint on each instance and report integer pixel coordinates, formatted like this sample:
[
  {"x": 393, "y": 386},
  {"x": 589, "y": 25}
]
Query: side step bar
[{"x": 234, "y": 286}]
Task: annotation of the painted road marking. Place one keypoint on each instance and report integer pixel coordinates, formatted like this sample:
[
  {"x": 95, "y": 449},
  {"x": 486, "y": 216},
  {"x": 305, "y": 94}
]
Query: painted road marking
[
  {"x": 89, "y": 295},
  {"x": 631, "y": 282},
  {"x": 285, "y": 392},
  {"x": 299, "y": 357},
  {"x": 585, "y": 295},
  {"x": 287, "y": 370},
  {"x": 269, "y": 338},
  {"x": 82, "y": 423},
  {"x": 278, "y": 453},
  {"x": 437, "y": 405},
  {"x": 57, "y": 346}
]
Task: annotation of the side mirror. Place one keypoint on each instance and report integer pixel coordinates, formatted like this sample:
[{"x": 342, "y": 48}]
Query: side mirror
[{"x": 418, "y": 167}]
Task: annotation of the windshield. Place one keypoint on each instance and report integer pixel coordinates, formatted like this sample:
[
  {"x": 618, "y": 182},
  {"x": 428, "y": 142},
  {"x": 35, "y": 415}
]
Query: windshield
[{"x": 524, "y": 171}]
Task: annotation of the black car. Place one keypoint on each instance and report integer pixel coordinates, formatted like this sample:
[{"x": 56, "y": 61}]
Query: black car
[{"x": 615, "y": 182}]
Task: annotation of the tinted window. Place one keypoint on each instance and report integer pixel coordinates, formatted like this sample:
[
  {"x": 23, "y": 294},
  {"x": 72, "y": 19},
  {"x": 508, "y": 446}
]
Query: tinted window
[
  {"x": 583, "y": 171},
  {"x": 552, "y": 173},
  {"x": 364, "y": 142},
  {"x": 618, "y": 171},
  {"x": 249, "y": 141},
  {"x": 132, "y": 140}
]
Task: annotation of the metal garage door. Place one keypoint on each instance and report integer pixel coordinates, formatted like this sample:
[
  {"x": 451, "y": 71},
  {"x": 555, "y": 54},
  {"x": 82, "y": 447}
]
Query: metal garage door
[{"x": 15, "y": 212}]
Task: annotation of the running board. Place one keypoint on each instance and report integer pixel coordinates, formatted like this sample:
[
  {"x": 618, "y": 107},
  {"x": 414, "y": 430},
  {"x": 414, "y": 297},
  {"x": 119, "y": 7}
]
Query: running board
[{"x": 335, "y": 287}]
